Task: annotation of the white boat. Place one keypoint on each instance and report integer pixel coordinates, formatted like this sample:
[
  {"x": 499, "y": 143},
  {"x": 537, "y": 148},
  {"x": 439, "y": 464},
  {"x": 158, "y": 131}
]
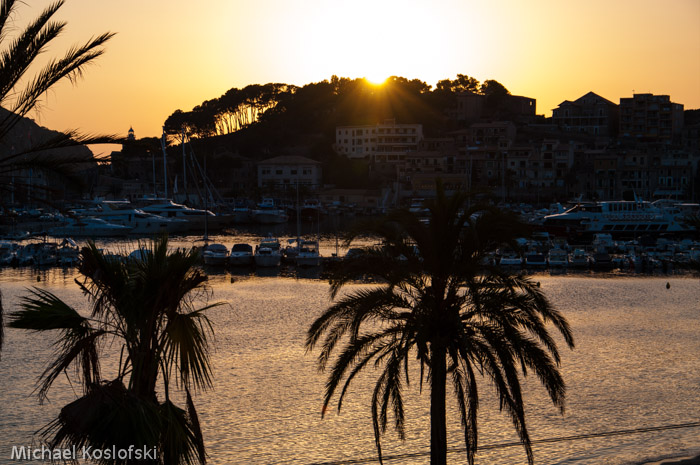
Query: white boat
[
  {"x": 215, "y": 254},
  {"x": 195, "y": 217},
  {"x": 89, "y": 227},
  {"x": 579, "y": 259},
  {"x": 557, "y": 258},
  {"x": 141, "y": 222},
  {"x": 68, "y": 252},
  {"x": 267, "y": 213},
  {"x": 618, "y": 218},
  {"x": 534, "y": 259},
  {"x": 241, "y": 255},
  {"x": 267, "y": 253},
  {"x": 510, "y": 258},
  {"x": 308, "y": 254}
]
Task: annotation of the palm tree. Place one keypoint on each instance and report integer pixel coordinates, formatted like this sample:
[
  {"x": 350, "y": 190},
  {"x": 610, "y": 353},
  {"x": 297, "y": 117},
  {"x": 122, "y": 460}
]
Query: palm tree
[
  {"x": 21, "y": 93},
  {"x": 146, "y": 305},
  {"x": 443, "y": 305}
]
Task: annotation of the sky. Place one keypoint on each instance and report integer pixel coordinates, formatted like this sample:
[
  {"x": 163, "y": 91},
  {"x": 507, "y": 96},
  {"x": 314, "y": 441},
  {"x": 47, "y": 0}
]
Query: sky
[{"x": 175, "y": 54}]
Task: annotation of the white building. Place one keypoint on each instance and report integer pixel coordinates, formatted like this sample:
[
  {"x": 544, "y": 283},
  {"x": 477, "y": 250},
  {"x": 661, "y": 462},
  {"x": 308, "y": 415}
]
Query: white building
[
  {"x": 287, "y": 172},
  {"x": 382, "y": 142}
]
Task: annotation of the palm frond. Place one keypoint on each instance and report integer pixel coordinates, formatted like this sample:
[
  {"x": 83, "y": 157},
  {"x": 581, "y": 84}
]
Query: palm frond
[{"x": 185, "y": 343}]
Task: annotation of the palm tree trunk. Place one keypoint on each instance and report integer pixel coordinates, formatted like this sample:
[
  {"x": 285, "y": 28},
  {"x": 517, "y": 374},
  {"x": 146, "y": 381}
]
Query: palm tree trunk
[{"x": 438, "y": 427}]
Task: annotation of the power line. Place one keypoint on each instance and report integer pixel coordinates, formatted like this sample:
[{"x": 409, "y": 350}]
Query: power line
[{"x": 503, "y": 445}]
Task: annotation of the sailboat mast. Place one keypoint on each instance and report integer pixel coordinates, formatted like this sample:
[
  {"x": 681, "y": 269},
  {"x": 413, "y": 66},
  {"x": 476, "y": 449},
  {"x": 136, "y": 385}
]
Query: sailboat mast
[
  {"x": 184, "y": 166},
  {"x": 165, "y": 164}
]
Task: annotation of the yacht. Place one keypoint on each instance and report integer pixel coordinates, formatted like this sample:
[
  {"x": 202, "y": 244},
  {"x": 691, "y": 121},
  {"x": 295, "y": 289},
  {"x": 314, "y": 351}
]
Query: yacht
[
  {"x": 141, "y": 222},
  {"x": 89, "y": 227},
  {"x": 267, "y": 253},
  {"x": 215, "y": 254},
  {"x": 616, "y": 218},
  {"x": 195, "y": 217},
  {"x": 241, "y": 255},
  {"x": 267, "y": 213},
  {"x": 308, "y": 254}
]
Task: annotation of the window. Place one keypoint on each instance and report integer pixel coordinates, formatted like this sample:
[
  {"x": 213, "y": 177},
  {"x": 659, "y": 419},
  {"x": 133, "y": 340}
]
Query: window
[{"x": 293, "y": 171}]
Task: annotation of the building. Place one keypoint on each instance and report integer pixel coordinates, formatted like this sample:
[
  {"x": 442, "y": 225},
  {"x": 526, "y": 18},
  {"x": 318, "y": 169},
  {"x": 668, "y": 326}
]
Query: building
[
  {"x": 288, "y": 172},
  {"x": 651, "y": 118},
  {"x": 384, "y": 142},
  {"x": 590, "y": 114}
]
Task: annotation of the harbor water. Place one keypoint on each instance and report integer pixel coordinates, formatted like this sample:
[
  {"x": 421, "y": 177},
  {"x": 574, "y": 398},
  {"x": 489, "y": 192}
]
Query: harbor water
[{"x": 636, "y": 366}]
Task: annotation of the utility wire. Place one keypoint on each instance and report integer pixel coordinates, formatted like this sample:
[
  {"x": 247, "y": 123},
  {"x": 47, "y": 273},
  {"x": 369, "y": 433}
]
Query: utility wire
[{"x": 503, "y": 445}]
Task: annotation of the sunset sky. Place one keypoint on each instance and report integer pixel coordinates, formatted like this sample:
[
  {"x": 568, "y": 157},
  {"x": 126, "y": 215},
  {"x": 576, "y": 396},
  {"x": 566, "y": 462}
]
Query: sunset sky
[{"x": 174, "y": 54}]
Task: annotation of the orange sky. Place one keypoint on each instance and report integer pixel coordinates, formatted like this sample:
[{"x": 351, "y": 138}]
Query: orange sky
[{"x": 173, "y": 54}]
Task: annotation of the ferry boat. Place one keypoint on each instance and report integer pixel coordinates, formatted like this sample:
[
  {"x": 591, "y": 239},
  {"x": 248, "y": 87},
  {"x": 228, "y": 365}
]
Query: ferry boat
[{"x": 617, "y": 218}]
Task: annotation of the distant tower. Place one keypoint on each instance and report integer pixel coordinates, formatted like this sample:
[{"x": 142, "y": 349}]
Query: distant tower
[{"x": 130, "y": 135}]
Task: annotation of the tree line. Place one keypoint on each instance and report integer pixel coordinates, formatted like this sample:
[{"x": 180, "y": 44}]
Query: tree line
[{"x": 321, "y": 106}]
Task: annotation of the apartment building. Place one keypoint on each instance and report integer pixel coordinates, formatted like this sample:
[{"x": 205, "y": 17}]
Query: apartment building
[
  {"x": 288, "y": 172},
  {"x": 651, "y": 118},
  {"x": 383, "y": 142}
]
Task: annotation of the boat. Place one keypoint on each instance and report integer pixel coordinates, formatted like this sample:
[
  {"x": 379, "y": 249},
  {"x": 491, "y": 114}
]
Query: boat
[
  {"x": 617, "y": 218},
  {"x": 267, "y": 253},
  {"x": 140, "y": 221},
  {"x": 308, "y": 254},
  {"x": 241, "y": 255},
  {"x": 267, "y": 213},
  {"x": 195, "y": 217},
  {"x": 601, "y": 260},
  {"x": 535, "y": 259},
  {"x": 215, "y": 254},
  {"x": 89, "y": 227},
  {"x": 311, "y": 209},
  {"x": 241, "y": 214},
  {"x": 579, "y": 259},
  {"x": 557, "y": 258},
  {"x": 68, "y": 252},
  {"x": 510, "y": 258}
]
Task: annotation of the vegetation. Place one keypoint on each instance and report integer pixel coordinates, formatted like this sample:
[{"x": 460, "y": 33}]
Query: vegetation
[
  {"x": 320, "y": 107},
  {"x": 146, "y": 306},
  {"x": 21, "y": 93},
  {"x": 439, "y": 303}
]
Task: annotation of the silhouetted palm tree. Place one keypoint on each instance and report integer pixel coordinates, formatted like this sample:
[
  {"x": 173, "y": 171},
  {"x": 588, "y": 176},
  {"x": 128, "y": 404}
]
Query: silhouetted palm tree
[
  {"x": 146, "y": 305},
  {"x": 20, "y": 93},
  {"x": 442, "y": 304}
]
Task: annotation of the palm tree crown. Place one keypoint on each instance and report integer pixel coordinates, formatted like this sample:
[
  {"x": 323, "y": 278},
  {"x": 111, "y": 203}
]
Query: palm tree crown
[
  {"x": 147, "y": 305},
  {"x": 444, "y": 305}
]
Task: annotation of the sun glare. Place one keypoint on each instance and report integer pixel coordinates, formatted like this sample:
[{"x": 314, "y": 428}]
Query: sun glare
[{"x": 376, "y": 79}]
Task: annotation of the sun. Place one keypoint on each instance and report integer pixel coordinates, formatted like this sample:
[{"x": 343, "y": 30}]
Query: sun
[{"x": 376, "y": 78}]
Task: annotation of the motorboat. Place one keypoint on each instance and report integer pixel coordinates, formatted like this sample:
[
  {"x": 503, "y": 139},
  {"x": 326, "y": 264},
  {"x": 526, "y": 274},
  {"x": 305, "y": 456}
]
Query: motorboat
[
  {"x": 267, "y": 253},
  {"x": 141, "y": 222},
  {"x": 579, "y": 259},
  {"x": 195, "y": 217},
  {"x": 308, "y": 254},
  {"x": 535, "y": 259},
  {"x": 557, "y": 258},
  {"x": 241, "y": 255},
  {"x": 89, "y": 227},
  {"x": 510, "y": 258},
  {"x": 215, "y": 254},
  {"x": 266, "y": 212}
]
